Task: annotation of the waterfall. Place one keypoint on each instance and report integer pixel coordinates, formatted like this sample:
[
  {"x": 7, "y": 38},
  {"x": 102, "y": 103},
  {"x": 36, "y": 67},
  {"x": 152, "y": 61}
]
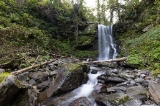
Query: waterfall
[{"x": 107, "y": 48}]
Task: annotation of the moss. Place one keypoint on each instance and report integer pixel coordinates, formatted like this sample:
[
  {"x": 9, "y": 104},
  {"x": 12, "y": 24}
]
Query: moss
[
  {"x": 156, "y": 72},
  {"x": 71, "y": 67},
  {"x": 123, "y": 100},
  {"x": 3, "y": 76},
  {"x": 18, "y": 84}
]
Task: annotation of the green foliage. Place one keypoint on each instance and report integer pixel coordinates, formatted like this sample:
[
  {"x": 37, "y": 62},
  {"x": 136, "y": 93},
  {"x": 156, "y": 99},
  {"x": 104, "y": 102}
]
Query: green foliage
[
  {"x": 2, "y": 5},
  {"x": 85, "y": 53},
  {"x": 39, "y": 28},
  {"x": 14, "y": 17},
  {"x": 144, "y": 50}
]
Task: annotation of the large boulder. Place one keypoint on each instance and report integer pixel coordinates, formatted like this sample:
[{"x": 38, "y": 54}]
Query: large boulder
[
  {"x": 9, "y": 88},
  {"x": 68, "y": 78},
  {"x": 138, "y": 92},
  {"x": 154, "y": 89}
]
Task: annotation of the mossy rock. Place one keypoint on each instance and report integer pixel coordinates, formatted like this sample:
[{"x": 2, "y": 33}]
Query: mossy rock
[
  {"x": 3, "y": 76},
  {"x": 72, "y": 67}
]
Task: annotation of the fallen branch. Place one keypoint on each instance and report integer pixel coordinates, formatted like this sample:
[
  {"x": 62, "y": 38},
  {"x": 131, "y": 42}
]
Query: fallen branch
[
  {"x": 30, "y": 67},
  {"x": 110, "y": 60}
]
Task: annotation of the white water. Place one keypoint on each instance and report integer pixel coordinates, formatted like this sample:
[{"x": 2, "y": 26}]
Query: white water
[
  {"x": 86, "y": 89},
  {"x": 107, "y": 48}
]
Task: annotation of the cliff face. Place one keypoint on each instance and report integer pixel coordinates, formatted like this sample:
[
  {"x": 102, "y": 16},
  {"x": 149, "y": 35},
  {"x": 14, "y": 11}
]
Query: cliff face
[{"x": 139, "y": 37}]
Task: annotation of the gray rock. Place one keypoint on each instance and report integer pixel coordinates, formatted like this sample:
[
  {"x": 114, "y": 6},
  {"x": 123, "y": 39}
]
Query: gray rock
[
  {"x": 38, "y": 76},
  {"x": 114, "y": 99},
  {"x": 117, "y": 89},
  {"x": 82, "y": 101},
  {"x": 140, "y": 80},
  {"x": 158, "y": 76},
  {"x": 154, "y": 89},
  {"x": 142, "y": 76},
  {"x": 115, "y": 79},
  {"x": 53, "y": 72},
  {"x": 2, "y": 70},
  {"x": 68, "y": 78},
  {"x": 133, "y": 102},
  {"x": 115, "y": 71},
  {"x": 9, "y": 87},
  {"x": 32, "y": 82},
  {"x": 126, "y": 75},
  {"x": 131, "y": 83},
  {"x": 113, "y": 75},
  {"x": 62, "y": 100},
  {"x": 111, "y": 90},
  {"x": 44, "y": 85},
  {"x": 138, "y": 92},
  {"x": 23, "y": 76}
]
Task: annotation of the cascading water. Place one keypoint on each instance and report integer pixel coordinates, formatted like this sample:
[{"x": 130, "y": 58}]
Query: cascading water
[{"x": 107, "y": 48}]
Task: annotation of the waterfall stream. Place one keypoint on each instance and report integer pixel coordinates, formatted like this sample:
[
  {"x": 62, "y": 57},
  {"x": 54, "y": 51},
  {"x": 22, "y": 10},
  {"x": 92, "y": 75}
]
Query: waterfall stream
[{"x": 107, "y": 48}]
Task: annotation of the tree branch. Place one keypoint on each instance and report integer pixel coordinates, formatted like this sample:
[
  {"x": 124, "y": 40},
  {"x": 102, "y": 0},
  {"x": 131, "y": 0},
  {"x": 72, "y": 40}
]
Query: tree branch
[
  {"x": 110, "y": 60},
  {"x": 30, "y": 67}
]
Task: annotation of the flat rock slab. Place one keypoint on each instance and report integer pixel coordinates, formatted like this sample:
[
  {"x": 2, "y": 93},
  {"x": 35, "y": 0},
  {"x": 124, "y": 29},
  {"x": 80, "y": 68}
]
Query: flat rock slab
[
  {"x": 138, "y": 92},
  {"x": 154, "y": 89}
]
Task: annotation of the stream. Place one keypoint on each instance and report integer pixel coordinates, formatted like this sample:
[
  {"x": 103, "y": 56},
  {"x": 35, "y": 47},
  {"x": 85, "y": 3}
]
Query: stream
[{"x": 70, "y": 82}]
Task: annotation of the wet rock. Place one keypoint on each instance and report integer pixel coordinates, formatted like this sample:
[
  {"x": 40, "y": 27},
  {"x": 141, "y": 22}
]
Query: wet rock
[
  {"x": 82, "y": 101},
  {"x": 138, "y": 92},
  {"x": 44, "y": 85},
  {"x": 38, "y": 76},
  {"x": 140, "y": 80},
  {"x": 142, "y": 76},
  {"x": 113, "y": 75},
  {"x": 2, "y": 70},
  {"x": 133, "y": 102},
  {"x": 100, "y": 103},
  {"x": 23, "y": 76},
  {"x": 114, "y": 99},
  {"x": 94, "y": 71},
  {"x": 62, "y": 100},
  {"x": 115, "y": 79},
  {"x": 9, "y": 88},
  {"x": 115, "y": 71},
  {"x": 131, "y": 83},
  {"x": 158, "y": 76},
  {"x": 107, "y": 79},
  {"x": 126, "y": 75},
  {"x": 53, "y": 72},
  {"x": 68, "y": 78},
  {"x": 111, "y": 90},
  {"x": 120, "y": 89},
  {"x": 100, "y": 87},
  {"x": 32, "y": 82},
  {"x": 154, "y": 89}
]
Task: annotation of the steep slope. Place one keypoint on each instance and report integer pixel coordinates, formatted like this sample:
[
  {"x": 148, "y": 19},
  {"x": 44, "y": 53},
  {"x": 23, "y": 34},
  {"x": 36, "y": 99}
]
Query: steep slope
[{"x": 140, "y": 36}]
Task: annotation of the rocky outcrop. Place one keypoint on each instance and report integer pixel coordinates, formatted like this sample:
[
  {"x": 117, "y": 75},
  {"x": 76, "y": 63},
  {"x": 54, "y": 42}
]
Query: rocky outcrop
[
  {"x": 9, "y": 88},
  {"x": 116, "y": 86},
  {"x": 68, "y": 78},
  {"x": 154, "y": 89}
]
